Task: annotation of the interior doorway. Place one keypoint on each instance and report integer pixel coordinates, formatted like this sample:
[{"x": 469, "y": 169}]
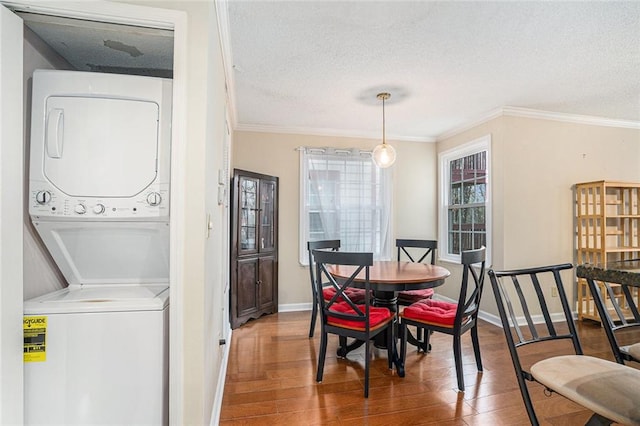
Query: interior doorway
[{"x": 52, "y": 22}]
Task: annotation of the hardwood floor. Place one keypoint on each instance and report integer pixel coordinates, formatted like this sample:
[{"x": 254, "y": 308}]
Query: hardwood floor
[{"x": 271, "y": 381}]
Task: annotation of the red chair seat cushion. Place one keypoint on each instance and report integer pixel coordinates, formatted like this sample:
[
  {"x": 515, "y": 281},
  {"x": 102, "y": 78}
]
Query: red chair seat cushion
[
  {"x": 355, "y": 294},
  {"x": 415, "y": 295},
  {"x": 431, "y": 311},
  {"x": 377, "y": 317}
]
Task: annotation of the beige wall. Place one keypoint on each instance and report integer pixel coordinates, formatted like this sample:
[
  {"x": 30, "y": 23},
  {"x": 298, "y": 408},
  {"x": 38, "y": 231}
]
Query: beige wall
[
  {"x": 203, "y": 286},
  {"x": 535, "y": 164},
  {"x": 275, "y": 154}
]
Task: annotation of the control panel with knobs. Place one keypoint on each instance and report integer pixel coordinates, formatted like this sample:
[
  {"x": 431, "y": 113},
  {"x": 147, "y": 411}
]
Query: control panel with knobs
[
  {"x": 45, "y": 201},
  {"x": 154, "y": 199},
  {"x": 43, "y": 197}
]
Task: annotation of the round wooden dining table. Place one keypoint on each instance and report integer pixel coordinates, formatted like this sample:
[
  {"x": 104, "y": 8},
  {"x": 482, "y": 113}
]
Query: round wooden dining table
[{"x": 386, "y": 279}]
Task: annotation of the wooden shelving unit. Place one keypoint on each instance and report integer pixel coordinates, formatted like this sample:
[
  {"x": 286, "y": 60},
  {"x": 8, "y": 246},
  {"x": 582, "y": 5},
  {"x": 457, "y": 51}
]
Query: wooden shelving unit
[{"x": 608, "y": 226}]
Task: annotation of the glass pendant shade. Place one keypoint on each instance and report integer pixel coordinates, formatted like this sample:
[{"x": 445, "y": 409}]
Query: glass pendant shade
[{"x": 384, "y": 155}]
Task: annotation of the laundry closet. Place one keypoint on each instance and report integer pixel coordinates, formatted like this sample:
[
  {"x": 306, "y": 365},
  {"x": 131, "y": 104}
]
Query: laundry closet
[{"x": 97, "y": 196}]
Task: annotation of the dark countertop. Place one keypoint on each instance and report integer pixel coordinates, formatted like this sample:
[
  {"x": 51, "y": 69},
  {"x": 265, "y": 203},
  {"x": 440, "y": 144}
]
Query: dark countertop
[{"x": 623, "y": 272}]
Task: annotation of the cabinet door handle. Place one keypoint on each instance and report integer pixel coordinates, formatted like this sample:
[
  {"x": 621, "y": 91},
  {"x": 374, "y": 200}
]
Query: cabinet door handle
[{"x": 259, "y": 282}]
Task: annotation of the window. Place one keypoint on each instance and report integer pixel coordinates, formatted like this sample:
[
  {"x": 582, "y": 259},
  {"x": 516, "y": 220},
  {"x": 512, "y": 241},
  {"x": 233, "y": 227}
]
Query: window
[
  {"x": 465, "y": 203},
  {"x": 344, "y": 196}
]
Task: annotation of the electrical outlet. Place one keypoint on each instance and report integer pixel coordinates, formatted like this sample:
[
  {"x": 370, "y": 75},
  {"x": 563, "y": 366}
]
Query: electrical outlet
[{"x": 554, "y": 292}]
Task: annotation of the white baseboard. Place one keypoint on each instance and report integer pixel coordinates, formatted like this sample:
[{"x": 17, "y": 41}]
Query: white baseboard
[
  {"x": 222, "y": 375},
  {"x": 294, "y": 307}
]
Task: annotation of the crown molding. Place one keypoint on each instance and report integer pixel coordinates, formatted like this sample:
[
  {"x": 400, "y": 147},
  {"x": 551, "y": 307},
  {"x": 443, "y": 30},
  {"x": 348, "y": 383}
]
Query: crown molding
[
  {"x": 326, "y": 132},
  {"x": 570, "y": 118},
  {"x": 509, "y": 111}
]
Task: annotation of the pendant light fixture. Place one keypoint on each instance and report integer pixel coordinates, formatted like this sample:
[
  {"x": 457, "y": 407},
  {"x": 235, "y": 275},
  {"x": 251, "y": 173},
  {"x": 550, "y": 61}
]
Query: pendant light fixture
[{"x": 384, "y": 155}]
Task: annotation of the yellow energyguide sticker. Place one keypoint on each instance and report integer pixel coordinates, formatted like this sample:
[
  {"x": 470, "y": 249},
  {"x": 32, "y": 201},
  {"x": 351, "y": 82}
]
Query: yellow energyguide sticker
[{"x": 35, "y": 338}]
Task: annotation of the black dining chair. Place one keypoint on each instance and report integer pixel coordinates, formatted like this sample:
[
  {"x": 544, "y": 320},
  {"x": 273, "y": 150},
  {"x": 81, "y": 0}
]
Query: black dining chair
[
  {"x": 356, "y": 294},
  {"x": 545, "y": 348},
  {"x": 453, "y": 319},
  {"x": 425, "y": 250},
  {"x": 619, "y": 317},
  {"x": 341, "y": 316}
]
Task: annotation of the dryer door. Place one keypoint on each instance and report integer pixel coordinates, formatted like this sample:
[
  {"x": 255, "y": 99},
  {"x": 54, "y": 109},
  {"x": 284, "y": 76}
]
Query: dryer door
[{"x": 100, "y": 147}]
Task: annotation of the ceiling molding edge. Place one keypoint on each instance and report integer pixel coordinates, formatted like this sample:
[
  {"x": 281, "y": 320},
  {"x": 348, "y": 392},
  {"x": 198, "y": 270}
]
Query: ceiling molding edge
[
  {"x": 326, "y": 132},
  {"x": 539, "y": 114},
  {"x": 570, "y": 118}
]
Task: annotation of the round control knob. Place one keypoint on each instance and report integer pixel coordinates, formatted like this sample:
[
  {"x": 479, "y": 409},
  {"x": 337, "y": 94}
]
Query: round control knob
[
  {"x": 154, "y": 199},
  {"x": 43, "y": 197},
  {"x": 80, "y": 209},
  {"x": 98, "y": 208}
]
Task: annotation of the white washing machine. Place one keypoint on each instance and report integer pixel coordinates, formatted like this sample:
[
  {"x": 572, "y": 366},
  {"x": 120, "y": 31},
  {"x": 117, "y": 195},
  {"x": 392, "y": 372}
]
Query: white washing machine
[
  {"x": 99, "y": 356},
  {"x": 96, "y": 352}
]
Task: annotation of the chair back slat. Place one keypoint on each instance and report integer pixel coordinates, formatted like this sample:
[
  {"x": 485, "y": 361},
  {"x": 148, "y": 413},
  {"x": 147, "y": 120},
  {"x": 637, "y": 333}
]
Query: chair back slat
[
  {"x": 340, "y": 294},
  {"x": 472, "y": 284},
  {"x": 631, "y": 315},
  {"x": 333, "y": 245},
  {"x": 512, "y": 316},
  {"x": 525, "y": 309},
  {"x": 545, "y": 308},
  {"x": 429, "y": 246}
]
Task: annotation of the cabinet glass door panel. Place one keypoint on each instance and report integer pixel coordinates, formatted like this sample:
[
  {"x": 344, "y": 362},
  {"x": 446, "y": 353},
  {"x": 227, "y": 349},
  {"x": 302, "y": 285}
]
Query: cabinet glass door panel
[
  {"x": 248, "y": 192},
  {"x": 267, "y": 212}
]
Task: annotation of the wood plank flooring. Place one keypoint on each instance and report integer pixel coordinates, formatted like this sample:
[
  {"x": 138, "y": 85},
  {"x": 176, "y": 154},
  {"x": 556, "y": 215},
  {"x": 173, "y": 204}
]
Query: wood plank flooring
[{"x": 271, "y": 381}]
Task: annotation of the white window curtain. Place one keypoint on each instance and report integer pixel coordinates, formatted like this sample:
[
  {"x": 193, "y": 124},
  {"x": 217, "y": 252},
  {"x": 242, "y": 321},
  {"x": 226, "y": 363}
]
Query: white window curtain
[{"x": 344, "y": 196}]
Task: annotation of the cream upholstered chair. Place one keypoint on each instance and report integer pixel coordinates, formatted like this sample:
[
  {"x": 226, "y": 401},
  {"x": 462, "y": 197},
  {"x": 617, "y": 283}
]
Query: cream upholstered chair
[{"x": 608, "y": 389}]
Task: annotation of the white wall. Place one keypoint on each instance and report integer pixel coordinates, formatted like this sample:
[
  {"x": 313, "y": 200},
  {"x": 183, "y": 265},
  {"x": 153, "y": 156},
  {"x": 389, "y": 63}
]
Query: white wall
[
  {"x": 11, "y": 170},
  {"x": 41, "y": 275}
]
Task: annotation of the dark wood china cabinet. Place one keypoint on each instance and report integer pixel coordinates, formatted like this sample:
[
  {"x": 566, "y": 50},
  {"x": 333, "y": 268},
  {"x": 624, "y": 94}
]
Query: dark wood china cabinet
[{"x": 254, "y": 246}]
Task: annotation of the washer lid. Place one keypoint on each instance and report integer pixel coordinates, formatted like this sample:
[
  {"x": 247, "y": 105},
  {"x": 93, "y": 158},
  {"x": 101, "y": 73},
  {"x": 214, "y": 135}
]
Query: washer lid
[
  {"x": 103, "y": 298},
  {"x": 100, "y": 147},
  {"x": 99, "y": 253}
]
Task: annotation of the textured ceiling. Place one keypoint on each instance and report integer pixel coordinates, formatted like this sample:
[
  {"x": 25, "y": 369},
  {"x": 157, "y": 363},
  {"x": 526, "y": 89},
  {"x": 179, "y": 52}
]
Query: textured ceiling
[
  {"x": 106, "y": 47},
  {"x": 316, "y": 66}
]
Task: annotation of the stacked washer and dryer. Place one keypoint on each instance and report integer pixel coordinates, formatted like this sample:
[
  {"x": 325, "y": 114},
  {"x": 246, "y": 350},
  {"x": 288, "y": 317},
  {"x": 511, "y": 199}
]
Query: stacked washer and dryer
[{"x": 99, "y": 199}]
